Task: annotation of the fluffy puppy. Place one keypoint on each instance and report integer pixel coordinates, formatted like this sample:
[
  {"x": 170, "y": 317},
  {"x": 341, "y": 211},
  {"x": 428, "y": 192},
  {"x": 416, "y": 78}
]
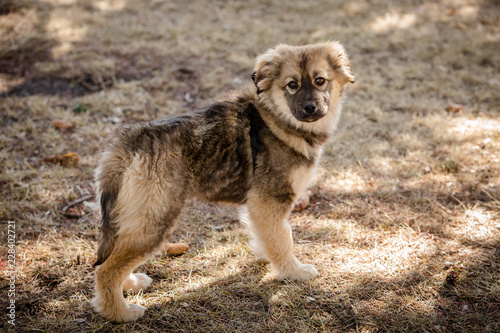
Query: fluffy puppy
[{"x": 257, "y": 147}]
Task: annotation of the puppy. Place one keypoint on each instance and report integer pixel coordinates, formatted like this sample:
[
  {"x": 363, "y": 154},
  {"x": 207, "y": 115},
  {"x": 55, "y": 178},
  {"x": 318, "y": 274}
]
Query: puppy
[{"x": 257, "y": 147}]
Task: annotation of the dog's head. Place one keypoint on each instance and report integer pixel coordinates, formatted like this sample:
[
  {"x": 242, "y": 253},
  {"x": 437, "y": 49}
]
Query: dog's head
[{"x": 303, "y": 83}]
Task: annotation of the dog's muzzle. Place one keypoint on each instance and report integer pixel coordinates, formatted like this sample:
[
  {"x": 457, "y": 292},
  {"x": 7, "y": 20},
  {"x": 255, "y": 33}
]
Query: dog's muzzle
[{"x": 310, "y": 113}]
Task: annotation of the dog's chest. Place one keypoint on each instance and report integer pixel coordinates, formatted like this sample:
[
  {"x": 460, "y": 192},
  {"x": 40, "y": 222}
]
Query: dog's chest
[{"x": 300, "y": 177}]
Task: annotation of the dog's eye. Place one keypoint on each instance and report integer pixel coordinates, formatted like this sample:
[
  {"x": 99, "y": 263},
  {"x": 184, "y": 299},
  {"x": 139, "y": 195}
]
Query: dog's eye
[
  {"x": 293, "y": 85},
  {"x": 320, "y": 81}
]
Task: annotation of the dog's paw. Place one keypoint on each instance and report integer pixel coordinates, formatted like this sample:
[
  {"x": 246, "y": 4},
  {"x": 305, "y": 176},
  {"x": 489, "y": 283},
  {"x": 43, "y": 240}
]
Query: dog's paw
[
  {"x": 300, "y": 272},
  {"x": 131, "y": 313},
  {"x": 119, "y": 312},
  {"x": 137, "y": 282}
]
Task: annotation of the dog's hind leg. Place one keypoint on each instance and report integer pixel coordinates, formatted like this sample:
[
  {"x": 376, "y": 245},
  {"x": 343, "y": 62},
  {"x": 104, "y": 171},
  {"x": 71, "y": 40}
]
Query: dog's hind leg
[
  {"x": 131, "y": 249},
  {"x": 267, "y": 218},
  {"x": 146, "y": 210},
  {"x": 129, "y": 252}
]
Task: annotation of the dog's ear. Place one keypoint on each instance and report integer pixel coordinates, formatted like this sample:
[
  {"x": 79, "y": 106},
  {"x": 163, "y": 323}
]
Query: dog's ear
[
  {"x": 265, "y": 70},
  {"x": 255, "y": 82},
  {"x": 339, "y": 61}
]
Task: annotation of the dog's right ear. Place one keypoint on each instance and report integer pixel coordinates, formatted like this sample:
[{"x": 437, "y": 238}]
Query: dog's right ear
[
  {"x": 339, "y": 61},
  {"x": 265, "y": 70}
]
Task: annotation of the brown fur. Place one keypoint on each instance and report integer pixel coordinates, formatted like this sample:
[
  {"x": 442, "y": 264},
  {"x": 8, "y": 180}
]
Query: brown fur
[{"x": 257, "y": 148}]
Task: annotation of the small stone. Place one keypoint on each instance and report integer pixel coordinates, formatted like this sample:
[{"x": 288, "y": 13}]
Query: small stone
[{"x": 188, "y": 98}]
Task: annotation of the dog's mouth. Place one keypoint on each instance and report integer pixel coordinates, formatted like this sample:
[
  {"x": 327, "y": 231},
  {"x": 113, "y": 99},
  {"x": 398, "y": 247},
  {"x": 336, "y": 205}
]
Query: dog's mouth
[{"x": 309, "y": 119}]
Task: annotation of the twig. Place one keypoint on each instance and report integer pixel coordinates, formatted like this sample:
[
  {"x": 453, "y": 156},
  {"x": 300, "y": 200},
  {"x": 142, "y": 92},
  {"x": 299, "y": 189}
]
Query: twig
[
  {"x": 356, "y": 322},
  {"x": 89, "y": 86},
  {"x": 79, "y": 189},
  {"x": 76, "y": 202},
  {"x": 342, "y": 319},
  {"x": 490, "y": 195}
]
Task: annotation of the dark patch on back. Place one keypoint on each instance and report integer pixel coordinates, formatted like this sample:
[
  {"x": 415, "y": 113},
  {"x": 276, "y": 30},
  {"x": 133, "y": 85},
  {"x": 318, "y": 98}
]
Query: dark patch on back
[
  {"x": 219, "y": 157},
  {"x": 257, "y": 125}
]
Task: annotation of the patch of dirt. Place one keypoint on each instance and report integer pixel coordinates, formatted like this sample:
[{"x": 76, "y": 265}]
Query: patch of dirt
[{"x": 52, "y": 86}]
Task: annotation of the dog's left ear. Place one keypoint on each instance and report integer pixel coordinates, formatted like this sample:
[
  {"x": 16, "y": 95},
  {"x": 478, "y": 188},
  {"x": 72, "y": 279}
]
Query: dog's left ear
[
  {"x": 340, "y": 63},
  {"x": 255, "y": 82},
  {"x": 265, "y": 70}
]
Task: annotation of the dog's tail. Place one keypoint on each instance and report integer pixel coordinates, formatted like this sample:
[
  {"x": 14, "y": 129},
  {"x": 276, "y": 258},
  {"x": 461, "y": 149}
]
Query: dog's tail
[
  {"x": 109, "y": 176},
  {"x": 108, "y": 230}
]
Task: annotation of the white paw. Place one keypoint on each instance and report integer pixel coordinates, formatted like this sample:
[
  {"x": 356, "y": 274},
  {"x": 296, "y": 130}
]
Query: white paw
[
  {"x": 132, "y": 313},
  {"x": 120, "y": 312},
  {"x": 137, "y": 282},
  {"x": 300, "y": 272}
]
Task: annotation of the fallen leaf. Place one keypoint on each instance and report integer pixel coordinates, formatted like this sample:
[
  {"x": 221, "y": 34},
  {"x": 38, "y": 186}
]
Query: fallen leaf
[
  {"x": 461, "y": 26},
  {"x": 68, "y": 159},
  {"x": 61, "y": 125},
  {"x": 51, "y": 159},
  {"x": 454, "y": 108},
  {"x": 176, "y": 249}
]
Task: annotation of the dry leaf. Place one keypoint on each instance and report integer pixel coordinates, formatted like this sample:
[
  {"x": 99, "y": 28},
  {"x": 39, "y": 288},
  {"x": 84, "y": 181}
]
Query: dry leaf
[
  {"x": 176, "y": 249},
  {"x": 51, "y": 159},
  {"x": 454, "y": 108},
  {"x": 61, "y": 125},
  {"x": 69, "y": 159},
  {"x": 462, "y": 26}
]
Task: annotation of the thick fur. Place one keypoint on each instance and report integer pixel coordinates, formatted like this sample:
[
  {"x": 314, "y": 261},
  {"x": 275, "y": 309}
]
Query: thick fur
[{"x": 257, "y": 147}]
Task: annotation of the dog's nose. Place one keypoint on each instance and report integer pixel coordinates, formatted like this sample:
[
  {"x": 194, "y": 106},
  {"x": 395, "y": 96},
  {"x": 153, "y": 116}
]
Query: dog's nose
[{"x": 310, "y": 108}]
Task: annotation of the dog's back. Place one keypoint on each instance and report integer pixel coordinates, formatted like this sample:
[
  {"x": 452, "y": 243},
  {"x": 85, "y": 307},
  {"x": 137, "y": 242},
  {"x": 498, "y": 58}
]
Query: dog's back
[{"x": 208, "y": 154}]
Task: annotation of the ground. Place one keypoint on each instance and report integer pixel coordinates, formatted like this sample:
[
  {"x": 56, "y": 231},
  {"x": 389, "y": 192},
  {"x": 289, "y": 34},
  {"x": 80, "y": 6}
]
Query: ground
[{"x": 404, "y": 220}]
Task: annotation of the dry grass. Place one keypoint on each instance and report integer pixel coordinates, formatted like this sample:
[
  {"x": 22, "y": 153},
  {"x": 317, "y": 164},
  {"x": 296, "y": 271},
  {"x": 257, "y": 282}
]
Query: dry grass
[{"x": 404, "y": 224}]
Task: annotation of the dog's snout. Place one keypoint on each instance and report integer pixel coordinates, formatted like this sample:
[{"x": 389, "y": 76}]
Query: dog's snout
[{"x": 310, "y": 108}]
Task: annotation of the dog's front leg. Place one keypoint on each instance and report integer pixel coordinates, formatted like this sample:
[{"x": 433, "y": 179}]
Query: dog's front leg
[{"x": 267, "y": 219}]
